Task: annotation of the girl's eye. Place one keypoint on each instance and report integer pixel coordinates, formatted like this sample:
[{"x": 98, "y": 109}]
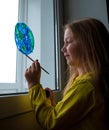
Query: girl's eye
[{"x": 68, "y": 42}]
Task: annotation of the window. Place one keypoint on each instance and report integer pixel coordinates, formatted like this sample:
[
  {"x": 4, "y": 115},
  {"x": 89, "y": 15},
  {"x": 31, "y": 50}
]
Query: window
[
  {"x": 8, "y": 18},
  {"x": 40, "y": 16},
  {"x": 7, "y": 49}
]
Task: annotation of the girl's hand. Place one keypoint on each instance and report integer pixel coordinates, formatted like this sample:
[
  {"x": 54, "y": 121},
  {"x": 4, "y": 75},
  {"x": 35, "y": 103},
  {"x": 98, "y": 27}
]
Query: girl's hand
[{"x": 33, "y": 74}]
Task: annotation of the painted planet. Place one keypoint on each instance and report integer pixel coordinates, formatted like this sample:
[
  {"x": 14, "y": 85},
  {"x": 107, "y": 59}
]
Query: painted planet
[{"x": 24, "y": 38}]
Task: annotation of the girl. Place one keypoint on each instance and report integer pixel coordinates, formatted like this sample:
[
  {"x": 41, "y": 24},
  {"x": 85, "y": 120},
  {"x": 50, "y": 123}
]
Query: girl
[{"x": 85, "y": 102}]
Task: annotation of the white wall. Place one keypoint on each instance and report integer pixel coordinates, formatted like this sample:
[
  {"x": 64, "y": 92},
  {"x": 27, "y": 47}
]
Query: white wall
[{"x": 75, "y": 9}]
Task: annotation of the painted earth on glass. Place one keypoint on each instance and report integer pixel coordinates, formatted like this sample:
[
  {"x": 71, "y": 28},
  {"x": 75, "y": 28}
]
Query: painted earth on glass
[{"x": 24, "y": 38}]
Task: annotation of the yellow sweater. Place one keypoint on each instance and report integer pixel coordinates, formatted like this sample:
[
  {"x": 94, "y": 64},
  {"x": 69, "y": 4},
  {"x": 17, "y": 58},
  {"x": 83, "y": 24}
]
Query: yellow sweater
[{"x": 82, "y": 107}]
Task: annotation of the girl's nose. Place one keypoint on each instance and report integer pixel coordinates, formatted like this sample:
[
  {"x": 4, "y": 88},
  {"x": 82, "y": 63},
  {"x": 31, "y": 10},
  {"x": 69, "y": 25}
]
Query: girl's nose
[{"x": 63, "y": 49}]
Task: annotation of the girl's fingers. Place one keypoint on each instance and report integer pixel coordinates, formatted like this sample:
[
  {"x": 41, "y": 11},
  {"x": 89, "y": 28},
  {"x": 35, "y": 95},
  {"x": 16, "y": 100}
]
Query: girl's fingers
[
  {"x": 33, "y": 67},
  {"x": 37, "y": 65}
]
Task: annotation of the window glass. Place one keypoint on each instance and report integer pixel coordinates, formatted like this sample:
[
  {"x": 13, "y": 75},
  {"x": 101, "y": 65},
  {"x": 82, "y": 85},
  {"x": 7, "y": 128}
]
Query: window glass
[
  {"x": 39, "y": 15},
  {"x": 8, "y": 18}
]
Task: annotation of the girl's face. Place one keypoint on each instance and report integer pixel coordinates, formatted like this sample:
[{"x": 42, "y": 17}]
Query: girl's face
[{"x": 70, "y": 48}]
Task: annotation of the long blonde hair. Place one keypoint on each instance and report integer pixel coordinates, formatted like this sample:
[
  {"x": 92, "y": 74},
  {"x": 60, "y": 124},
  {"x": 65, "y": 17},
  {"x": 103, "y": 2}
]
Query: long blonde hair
[{"x": 93, "y": 39}]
